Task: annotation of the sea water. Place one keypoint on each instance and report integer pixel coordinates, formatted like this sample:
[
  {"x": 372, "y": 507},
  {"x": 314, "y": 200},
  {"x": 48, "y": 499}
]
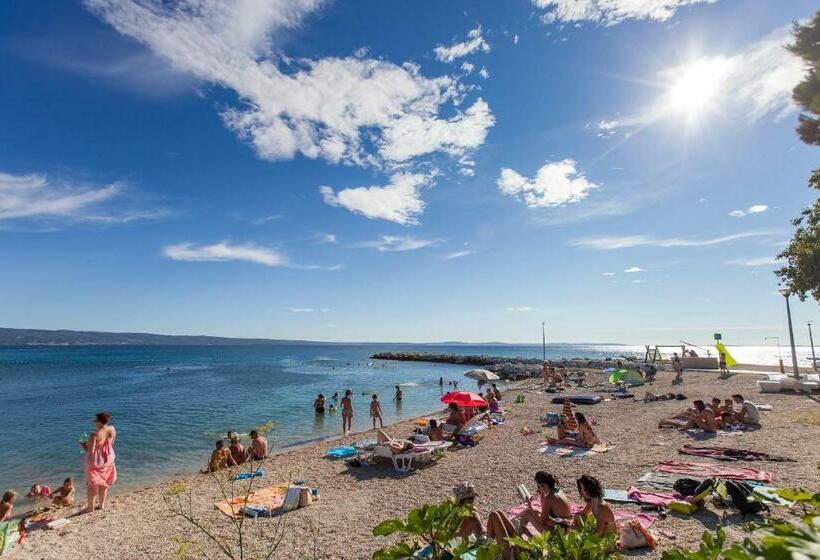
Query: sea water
[{"x": 170, "y": 403}]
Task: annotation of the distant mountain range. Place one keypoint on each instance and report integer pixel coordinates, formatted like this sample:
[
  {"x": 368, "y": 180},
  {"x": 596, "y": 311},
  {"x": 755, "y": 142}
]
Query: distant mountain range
[{"x": 41, "y": 337}]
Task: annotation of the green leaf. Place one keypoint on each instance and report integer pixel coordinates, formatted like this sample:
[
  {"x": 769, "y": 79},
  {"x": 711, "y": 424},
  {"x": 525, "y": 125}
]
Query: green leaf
[{"x": 388, "y": 527}]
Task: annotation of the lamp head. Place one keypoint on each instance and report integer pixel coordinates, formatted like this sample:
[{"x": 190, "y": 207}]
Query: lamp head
[{"x": 785, "y": 292}]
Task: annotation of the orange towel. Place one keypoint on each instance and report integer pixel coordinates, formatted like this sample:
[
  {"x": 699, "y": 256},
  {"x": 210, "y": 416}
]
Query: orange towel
[{"x": 269, "y": 497}]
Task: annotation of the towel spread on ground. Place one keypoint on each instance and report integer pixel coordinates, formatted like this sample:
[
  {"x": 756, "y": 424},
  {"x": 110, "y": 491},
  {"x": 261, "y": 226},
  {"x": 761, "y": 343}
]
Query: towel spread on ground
[
  {"x": 572, "y": 451},
  {"x": 697, "y": 433},
  {"x": 269, "y": 497},
  {"x": 618, "y": 496},
  {"x": 705, "y": 470},
  {"x": 729, "y": 454},
  {"x": 652, "y": 498},
  {"x": 663, "y": 481},
  {"x": 644, "y": 519}
]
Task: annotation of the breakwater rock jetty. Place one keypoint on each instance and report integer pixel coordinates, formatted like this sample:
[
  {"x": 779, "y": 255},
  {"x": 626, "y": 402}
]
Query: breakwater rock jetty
[{"x": 504, "y": 366}]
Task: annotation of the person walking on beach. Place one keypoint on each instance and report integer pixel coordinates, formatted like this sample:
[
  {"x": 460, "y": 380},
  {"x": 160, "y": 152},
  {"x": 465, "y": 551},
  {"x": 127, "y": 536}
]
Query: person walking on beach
[
  {"x": 347, "y": 412},
  {"x": 100, "y": 470},
  {"x": 724, "y": 369},
  {"x": 399, "y": 394},
  {"x": 677, "y": 365},
  {"x": 376, "y": 411}
]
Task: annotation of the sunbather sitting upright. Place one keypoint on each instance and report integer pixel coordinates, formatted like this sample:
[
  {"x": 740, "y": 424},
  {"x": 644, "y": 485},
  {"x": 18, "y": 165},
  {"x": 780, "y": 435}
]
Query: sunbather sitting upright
[
  {"x": 64, "y": 495},
  {"x": 585, "y": 437},
  {"x": 748, "y": 413},
  {"x": 237, "y": 450},
  {"x": 715, "y": 406},
  {"x": 259, "y": 446},
  {"x": 456, "y": 417},
  {"x": 555, "y": 506},
  {"x": 702, "y": 418},
  {"x": 7, "y": 505},
  {"x": 464, "y": 493},
  {"x": 593, "y": 495},
  {"x": 434, "y": 432},
  {"x": 220, "y": 458}
]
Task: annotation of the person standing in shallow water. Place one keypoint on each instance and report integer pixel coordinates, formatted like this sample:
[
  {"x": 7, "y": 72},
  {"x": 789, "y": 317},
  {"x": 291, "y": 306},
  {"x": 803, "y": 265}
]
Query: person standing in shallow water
[
  {"x": 100, "y": 470},
  {"x": 399, "y": 394},
  {"x": 347, "y": 412}
]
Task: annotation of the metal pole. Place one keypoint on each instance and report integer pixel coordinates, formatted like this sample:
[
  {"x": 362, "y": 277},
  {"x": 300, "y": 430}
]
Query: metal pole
[
  {"x": 811, "y": 341},
  {"x": 544, "y": 341},
  {"x": 791, "y": 335}
]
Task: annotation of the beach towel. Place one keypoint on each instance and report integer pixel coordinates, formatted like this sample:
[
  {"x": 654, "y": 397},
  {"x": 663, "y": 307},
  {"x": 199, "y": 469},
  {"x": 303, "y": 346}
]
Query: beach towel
[
  {"x": 618, "y": 496},
  {"x": 698, "y": 434},
  {"x": 705, "y": 470},
  {"x": 652, "y": 498},
  {"x": 572, "y": 451},
  {"x": 341, "y": 452},
  {"x": 729, "y": 454},
  {"x": 664, "y": 482},
  {"x": 10, "y": 535},
  {"x": 644, "y": 519},
  {"x": 247, "y": 475},
  {"x": 269, "y": 497}
]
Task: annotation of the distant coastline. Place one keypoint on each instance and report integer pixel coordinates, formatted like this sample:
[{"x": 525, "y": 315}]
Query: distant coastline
[{"x": 64, "y": 337}]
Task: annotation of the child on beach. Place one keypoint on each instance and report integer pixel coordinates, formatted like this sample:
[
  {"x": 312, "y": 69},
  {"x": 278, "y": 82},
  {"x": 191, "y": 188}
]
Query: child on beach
[
  {"x": 39, "y": 491},
  {"x": 64, "y": 495},
  {"x": 376, "y": 411},
  {"x": 7, "y": 505}
]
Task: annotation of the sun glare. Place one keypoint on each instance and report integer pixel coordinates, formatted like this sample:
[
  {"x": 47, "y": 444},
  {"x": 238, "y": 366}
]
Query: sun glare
[{"x": 695, "y": 86}]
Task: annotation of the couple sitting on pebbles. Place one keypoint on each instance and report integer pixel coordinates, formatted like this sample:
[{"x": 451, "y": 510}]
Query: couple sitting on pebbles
[
  {"x": 574, "y": 429},
  {"x": 235, "y": 454},
  {"x": 552, "y": 510}
]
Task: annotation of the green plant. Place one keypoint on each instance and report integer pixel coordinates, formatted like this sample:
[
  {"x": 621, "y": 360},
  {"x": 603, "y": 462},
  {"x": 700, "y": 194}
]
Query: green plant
[
  {"x": 579, "y": 543},
  {"x": 431, "y": 526},
  {"x": 711, "y": 548}
]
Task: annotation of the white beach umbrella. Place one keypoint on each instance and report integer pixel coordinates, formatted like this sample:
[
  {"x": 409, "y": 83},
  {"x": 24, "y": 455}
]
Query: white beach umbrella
[{"x": 481, "y": 375}]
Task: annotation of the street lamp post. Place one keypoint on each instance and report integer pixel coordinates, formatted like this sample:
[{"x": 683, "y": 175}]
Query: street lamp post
[
  {"x": 544, "y": 341},
  {"x": 811, "y": 341},
  {"x": 796, "y": 370}
]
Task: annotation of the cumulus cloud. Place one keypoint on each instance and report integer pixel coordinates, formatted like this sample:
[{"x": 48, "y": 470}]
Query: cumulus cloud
[
  {"x": 352, "y": 110},
  {"x": 225, "y": 251},
  {"x": 484, "y": 73},
  {"x": 474, "y": 43},
  {"x": 399, "y": 201},
  {"x": 628, "y": 241},
  {"x": 555, "y": 184},
  {"x": 610, "y": 12},
  {"x": 635, "y": 269},
  {"x": 467, "y": 67},
  {"x": 390, "y": 243},
  {"x": 755, "y": 209},
  {"x": 37, "y": 196}
]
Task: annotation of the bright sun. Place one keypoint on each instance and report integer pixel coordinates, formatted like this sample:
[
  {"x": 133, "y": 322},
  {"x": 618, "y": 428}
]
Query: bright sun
[{"x": 696, "y": 85}]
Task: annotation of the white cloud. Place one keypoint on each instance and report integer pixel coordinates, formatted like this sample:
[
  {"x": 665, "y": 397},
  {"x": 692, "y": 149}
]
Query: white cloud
[
  {"x": 523, "y": 309},
  {"x": 34, "y": 197},
  {"x": 629, "y": 241},
  {"x": 635, "y": 269},
  {"x": 758, "y": 261},
  {"x": 458, "y": 255},
  {"x": 225, "y": 251},
  {"x": 307, "y": 310},
  {"x": 399, "y": 243},
  {"x": 467, "y": 67},
  {"x": 555, "y": 184},
  {"x": 515, "y": 39},
  {"x": 610, "y": 12},
  {"x": 639, "y": 281},
  {"x": 351, "y": 110},
  {"x": 329, "y": 238},
  {"x": 755, "y": 209},
  {"x": 609, "y": 274},
  {"x": 484, "y": 73},
  {"x": 475, "y": 42},
  {"x": 399, "y": 201},
  {"x": 607, "y": 128}
]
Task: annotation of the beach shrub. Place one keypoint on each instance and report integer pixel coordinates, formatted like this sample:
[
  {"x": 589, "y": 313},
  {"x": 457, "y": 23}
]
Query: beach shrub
[
  {"x": 772, "y": 539},
  {"x": 432, "y": 527},
  {"x": 579, "y": 543}
]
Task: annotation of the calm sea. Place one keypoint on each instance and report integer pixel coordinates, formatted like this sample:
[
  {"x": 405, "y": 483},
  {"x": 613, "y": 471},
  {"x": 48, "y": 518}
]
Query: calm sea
[{"x": 169, "y": 404}]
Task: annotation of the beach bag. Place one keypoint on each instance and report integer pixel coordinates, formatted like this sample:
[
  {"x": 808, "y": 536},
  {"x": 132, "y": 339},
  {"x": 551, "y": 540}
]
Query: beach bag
[
  {"x": 686, "y": 486},
  {"x": 550, "y": 419},
  {"x": 634, "y": 535},
  {"x": 739, "y": 494},
  {"x": 305, "y": 497}
]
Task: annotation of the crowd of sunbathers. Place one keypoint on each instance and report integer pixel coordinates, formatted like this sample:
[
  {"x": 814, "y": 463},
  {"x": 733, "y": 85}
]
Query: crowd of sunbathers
[
  {"x": 235, "y": 454},
  {"x": 716, "y": 415},
  {"x": 550, "y": 508}
]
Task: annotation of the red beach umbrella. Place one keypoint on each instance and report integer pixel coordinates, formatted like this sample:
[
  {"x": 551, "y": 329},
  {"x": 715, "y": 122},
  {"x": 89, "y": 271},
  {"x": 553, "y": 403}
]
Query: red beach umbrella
[{"x": 463, "y": 398}]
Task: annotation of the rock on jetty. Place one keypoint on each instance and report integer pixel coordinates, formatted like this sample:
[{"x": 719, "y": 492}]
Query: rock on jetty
[{"x": 505, "y": 367}]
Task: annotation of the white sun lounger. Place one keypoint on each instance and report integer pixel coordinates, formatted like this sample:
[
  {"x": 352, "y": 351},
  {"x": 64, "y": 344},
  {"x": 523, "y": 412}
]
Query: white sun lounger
[{"x": 403, "y": 462}]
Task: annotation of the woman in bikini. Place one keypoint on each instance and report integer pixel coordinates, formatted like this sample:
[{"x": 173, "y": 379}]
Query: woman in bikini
[
  {"x": 347, "y": 412},
  {"x": 593, "y": 495},
  {"x": 585, "y": 437},
  {"x": 100, "y": 470},
  {"x": 702, "y": 418}
]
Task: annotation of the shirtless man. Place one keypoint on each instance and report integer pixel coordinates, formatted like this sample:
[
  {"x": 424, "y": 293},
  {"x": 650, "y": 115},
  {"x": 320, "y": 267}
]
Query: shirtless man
[
  {"x": 64, "y": 495},
  {"x": 347, "y": 412},
  {"x": 259, "y": 446},
  {"x": 237, "y": 450},
  {"x": 702, "y": 418}
]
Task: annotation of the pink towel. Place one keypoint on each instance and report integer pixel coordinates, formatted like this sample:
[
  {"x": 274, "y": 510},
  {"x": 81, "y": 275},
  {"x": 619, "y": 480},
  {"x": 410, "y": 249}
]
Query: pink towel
[
  {"x": 652, "y": 498},
  {"x": 705, "y": 470},
  {"x": 644, "y": 519}
]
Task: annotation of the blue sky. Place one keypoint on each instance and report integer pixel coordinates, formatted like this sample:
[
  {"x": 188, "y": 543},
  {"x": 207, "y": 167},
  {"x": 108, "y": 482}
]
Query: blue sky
[{"x": 625, "y": 171}]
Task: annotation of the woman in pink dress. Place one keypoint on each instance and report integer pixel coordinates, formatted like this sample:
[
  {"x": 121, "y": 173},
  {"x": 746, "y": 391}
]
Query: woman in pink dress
[{"x": 100, "y": 470}]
